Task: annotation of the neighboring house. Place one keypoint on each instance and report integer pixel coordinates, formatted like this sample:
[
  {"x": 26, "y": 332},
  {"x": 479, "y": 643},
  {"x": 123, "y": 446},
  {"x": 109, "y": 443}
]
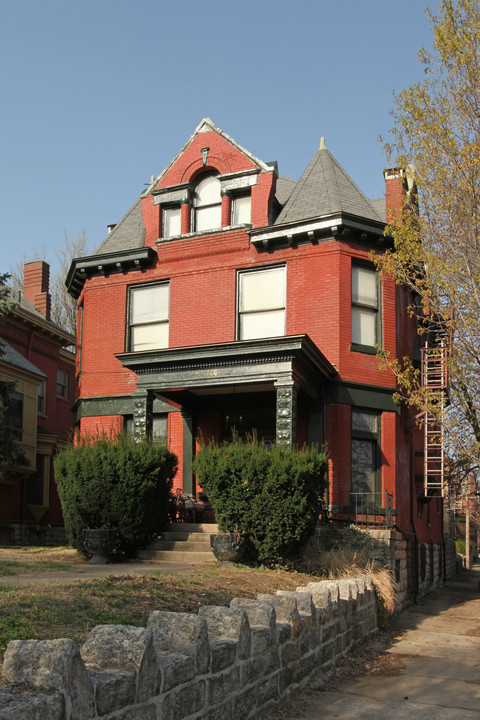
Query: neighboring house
[
  {"x": 231, "y": 299},
  {"x": 36, "y": 357}
]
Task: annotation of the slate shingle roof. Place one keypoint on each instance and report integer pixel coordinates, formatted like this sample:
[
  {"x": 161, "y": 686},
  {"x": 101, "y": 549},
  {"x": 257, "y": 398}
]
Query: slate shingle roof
[
  {"x": 128, "y": 234},
  {"x": 284, "y": 189},
  {"x": 13, "y": 357},
  {"x": 326, "y": 188}
]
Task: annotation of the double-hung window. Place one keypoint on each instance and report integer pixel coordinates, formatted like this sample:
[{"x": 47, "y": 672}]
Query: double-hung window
[
  {"x": 365, "y": 453},
  {"x": 207, "y": 204},
  {"x": 62, "y": 384},
  {"x": 262, "y": 303},
  {"x": 171, "y": 221},
  {"x": 14, "y": 414},
  {"x": 365, "y": 305},
  {"x": 149, "y": 316},
  {"x": 241, "y": 213}
]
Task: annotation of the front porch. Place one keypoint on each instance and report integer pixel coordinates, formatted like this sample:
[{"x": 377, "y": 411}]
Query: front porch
[{"x": 272, "y": 387}]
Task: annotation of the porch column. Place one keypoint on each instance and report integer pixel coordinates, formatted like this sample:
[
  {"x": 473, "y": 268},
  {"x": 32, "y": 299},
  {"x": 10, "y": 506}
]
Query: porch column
[
  {"x": 286, "y": 414},
  {"x": 187, "y": 479},
  {"x": 142, "y": 414}
]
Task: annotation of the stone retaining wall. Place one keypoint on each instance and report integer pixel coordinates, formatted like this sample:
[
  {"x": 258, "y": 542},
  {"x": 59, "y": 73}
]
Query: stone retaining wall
[
  {"x": 428, "y": 565},
  {"x": 235, "y": 663}
]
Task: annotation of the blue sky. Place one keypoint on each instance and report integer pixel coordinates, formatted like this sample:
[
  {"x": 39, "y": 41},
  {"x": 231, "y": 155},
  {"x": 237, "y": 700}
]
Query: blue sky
[{"x": 98, "y": 95}]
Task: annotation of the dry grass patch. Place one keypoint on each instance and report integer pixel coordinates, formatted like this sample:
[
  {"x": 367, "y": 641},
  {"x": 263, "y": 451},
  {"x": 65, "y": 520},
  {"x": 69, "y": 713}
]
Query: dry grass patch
[
  {"x": 344, "y": 563},
  {"x": 71, "y": 610}
]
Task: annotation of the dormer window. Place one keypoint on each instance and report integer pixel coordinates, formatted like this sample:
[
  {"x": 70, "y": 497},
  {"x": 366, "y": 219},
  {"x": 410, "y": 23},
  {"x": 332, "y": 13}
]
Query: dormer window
[
  {"x": 171, "y": 221},
  {"x": 241, "y": 209},
  {"x": 207, "y": 204}
]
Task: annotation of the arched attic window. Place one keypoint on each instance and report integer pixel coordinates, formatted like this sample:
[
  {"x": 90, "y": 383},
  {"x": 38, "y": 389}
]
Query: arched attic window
[{"x": 207, "y": 204}]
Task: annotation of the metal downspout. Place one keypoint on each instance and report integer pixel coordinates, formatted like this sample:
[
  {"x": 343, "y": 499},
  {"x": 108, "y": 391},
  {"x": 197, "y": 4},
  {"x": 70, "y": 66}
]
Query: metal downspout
[{"x": 412, "y": 523}]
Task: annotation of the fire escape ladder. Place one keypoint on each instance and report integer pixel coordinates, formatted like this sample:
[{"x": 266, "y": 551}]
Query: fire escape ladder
[{"x": 434, "y": 378}]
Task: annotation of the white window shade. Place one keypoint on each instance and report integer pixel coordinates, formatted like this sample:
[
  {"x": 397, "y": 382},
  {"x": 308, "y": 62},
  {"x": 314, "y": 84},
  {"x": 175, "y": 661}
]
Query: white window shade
[
  {"x": 261, "y": 305},
  {"x": 363, "y": 326},
  {"x": 262, "y": 290},
  {"x": 208, "y": 218},
  {"x": 207, "y": 192},
  {"x": 241, "y": 210},
  {"x": 149, "y": 315},
  {"x": 171, "y": 223},
  {"x": 150, "y": 303},
  {"x": 207, "y": 204},
  {"x": 364, "y": 286}
]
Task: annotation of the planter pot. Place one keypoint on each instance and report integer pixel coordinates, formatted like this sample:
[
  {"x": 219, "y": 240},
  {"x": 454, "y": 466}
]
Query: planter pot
[
  {"x": 99, "y": 543},
  {"x": 228, "y": 548}
]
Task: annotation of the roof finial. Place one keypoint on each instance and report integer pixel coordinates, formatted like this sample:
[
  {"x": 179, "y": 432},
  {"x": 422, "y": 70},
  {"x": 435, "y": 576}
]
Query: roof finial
[{"x": 322, "y": 144}]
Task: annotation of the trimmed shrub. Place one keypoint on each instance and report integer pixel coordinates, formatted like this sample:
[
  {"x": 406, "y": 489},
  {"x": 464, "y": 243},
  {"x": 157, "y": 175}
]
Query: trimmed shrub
[
  {"x": 115, "y": 483},
  {"x": 272, "y": 494}
]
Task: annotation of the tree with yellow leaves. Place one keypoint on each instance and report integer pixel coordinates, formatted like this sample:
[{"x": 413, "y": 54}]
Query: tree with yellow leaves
[{"x": 437, "y": 249}]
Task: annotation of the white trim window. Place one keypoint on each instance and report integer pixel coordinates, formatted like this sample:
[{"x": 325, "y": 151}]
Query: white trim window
[
  {"x": 241, "y": 213},
  {"x": 207, "y": 204},
  {"x": 364, "y": 306},
  {"x": 171, "y": 221},
  {"x": 262, "y": 303},
  {"x": 149, "y": 309}
]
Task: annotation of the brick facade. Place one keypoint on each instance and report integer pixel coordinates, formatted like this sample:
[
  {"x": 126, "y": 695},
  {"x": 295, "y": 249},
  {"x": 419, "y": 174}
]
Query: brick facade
[
  {"x": 208, "y": 376},
  {"x": 34, "y": 353}
]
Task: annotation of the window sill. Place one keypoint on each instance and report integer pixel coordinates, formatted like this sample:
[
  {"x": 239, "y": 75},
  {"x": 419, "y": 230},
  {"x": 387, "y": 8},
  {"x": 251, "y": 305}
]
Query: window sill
[
  {"x": 211, "y": 231},
  {"x": 366, "y": 349}
]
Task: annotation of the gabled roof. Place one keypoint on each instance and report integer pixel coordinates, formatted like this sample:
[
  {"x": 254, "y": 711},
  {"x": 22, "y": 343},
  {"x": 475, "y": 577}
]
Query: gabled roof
[
  {"x": 207, "y": 125},
  {"x": 326, "y": 188}
]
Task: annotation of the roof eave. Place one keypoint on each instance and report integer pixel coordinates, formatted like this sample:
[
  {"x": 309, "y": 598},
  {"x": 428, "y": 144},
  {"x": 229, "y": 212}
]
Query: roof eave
[
  {"x": 339, "y": 225},
  {"x": 121, "y": 261}
]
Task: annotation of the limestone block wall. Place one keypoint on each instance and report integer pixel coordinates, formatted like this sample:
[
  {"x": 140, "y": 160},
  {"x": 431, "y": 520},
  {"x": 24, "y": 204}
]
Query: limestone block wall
[
  {"x": 450, "y": 557},
  {"x": 428, "y": 564},
  {"x": 236, "y": 663}
]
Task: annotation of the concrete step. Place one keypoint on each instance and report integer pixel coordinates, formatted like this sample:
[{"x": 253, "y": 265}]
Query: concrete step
[
  {"x": 193, "y": 528},
  {"x": 182, "y": 543},
  {"x": 168, "y": 536},
  {"x": 176, "y": 557},
  {"x": 192, "y": 544}
]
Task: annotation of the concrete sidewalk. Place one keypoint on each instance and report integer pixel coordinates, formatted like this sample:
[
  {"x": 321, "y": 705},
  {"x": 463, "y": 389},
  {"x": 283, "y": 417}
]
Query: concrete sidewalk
[{"x": 438, "y": 678}]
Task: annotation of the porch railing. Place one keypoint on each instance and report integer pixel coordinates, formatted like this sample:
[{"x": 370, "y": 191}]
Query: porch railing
[{"x": 372, "y": 509}]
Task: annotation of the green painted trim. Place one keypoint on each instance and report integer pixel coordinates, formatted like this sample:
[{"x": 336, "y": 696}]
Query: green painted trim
[
  {"x": 113, "y": 405},
  {"x": 367, "y": 349},
  {"x": 367, "y": 396},
  {"x": 116, "y": 262}
]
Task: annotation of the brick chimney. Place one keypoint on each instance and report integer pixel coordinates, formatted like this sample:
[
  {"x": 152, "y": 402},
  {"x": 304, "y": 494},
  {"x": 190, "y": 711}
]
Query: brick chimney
[
  {"x": 395, "y": 186},
  {"x": 401, "y": 192},
  {"x": 36, "y": 276}
]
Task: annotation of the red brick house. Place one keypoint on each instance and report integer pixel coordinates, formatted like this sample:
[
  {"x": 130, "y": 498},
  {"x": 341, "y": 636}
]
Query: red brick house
[
  {"x": 36, "y": 357},
  {"x": 231, "y": 297}
]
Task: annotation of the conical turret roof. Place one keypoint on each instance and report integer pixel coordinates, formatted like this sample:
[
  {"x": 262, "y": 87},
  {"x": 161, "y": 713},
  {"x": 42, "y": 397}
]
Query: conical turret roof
[{"x": 326, "y": 188}]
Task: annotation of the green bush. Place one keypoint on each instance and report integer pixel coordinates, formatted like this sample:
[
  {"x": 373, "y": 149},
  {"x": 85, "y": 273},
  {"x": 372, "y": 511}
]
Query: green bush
[
  {"x": 272, "y": 494},
  {"x": 115, "y": 483},
  {"x": 461, "y": 547}
]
